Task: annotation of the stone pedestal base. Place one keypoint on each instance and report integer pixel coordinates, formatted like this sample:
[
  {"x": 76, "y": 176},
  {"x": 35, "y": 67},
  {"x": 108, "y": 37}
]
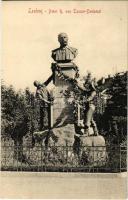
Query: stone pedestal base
[
  {"x": 62, "y": 136},
  {"x": 91, "y": 150},
  {"x": 58, "y": 144}
]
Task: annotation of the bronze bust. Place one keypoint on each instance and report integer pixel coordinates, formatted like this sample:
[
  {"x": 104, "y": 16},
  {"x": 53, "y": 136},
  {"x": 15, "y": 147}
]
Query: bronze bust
[{"x": 64, "y": 53}]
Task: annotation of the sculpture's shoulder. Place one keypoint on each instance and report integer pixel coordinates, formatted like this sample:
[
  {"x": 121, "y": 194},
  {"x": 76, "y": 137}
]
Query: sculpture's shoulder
[
  {"x": 72, "y": 48},
  {"x": 55, "y": 50}
]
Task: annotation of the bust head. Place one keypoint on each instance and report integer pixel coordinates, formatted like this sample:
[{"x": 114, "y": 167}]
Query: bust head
[{"x": 63, "y": 39}]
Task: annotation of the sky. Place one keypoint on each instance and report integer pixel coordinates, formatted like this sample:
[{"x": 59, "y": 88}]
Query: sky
[{"x": 29, "y": 36}]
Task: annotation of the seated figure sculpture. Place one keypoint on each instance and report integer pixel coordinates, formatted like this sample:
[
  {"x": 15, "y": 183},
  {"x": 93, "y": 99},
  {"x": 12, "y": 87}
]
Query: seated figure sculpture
[{"x": 64, "y": 54}]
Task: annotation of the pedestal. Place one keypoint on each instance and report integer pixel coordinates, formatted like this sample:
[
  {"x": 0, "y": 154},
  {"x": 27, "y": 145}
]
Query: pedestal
[{"x": 91, "y": 150}]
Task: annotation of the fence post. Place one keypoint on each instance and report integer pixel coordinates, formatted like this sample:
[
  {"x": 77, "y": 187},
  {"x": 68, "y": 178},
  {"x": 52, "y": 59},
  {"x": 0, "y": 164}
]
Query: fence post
[
  {"x": 120, "y": 156},
  {"x": 67, "y": 153},
  {"x": 17, "y": 154},
  {"x": 93, "y": 157},
  {"x": 41, "y": 156}
]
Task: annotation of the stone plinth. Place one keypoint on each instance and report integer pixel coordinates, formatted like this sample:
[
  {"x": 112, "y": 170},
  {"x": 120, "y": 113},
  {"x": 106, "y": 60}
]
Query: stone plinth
[
  {"x": 63, "y": 136},
  {"x": 63, "y": 116},
  {"x": 91, "y": 150},
  {"x": 70, "y": 72},
  {"x": 62, "y": 109},
  {"x": 63, "y": 69}
]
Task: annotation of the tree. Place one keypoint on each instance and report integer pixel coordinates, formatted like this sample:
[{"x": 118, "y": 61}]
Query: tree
[{"x": 115, "y": 116}]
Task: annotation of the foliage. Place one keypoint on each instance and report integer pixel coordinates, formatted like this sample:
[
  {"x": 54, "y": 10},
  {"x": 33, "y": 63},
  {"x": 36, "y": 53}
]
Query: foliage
[
  {"x": 17, "y": 112},
  {"x": 117, "y": 106},
  {"x": 114, "y": 119}
]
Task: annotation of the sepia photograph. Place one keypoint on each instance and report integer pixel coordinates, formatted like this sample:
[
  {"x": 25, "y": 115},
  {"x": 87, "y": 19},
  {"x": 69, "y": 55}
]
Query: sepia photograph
[{"x": 64, "y": 100}]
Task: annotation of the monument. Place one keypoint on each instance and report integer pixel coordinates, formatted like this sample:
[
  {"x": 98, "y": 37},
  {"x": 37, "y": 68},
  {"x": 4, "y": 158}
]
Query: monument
[{"x": 70, "y": 113}]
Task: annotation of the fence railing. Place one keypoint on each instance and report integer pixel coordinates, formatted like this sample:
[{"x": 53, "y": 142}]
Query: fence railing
[{"x": 63, "y": 158}]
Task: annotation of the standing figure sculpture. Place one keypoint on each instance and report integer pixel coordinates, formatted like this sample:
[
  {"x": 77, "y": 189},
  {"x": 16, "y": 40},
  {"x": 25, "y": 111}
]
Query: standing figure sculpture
[
  {"x": 89, "y": 109},
  {"x": 64, "y": 53},
  {"x": 89, "y": 92},
  {"x": 45, "y": 102}
]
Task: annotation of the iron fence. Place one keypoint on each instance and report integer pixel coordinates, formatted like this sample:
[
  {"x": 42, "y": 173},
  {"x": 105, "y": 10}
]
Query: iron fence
[{"x": 63, "y": 158}]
